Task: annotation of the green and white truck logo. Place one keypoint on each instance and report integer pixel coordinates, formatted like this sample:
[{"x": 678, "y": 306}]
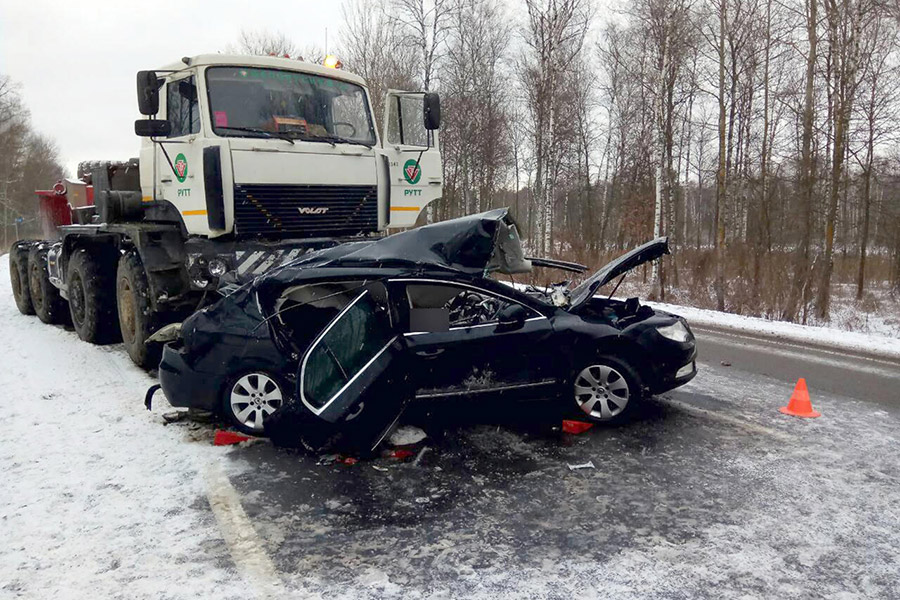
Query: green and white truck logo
[
  {"x": 181, "y": 168},
  {"x": 412, "y": 172}
]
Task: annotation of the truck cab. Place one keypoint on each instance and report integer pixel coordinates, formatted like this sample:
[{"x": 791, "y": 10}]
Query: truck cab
[{"x": 278, "y": 148}]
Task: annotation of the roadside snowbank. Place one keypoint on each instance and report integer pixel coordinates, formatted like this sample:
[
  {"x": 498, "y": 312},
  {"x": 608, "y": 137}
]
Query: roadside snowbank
[
  {"x": 99, "y": 499},
  {"x": 822, "y": 336}
]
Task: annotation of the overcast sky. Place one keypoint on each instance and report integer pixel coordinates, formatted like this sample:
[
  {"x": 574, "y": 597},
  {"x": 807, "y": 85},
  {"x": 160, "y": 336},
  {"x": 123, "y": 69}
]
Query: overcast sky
[{"x": 76, "y": 59}]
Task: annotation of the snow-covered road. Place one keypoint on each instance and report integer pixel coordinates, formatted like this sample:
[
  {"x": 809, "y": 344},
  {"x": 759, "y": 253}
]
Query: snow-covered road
[
  {"x": 98, "y": 498},
  {"x": 711, "y": 494}
]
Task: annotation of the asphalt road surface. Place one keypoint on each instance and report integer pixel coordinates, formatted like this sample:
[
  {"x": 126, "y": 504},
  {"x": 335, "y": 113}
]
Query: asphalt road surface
[{"x": 709, "y": 493}]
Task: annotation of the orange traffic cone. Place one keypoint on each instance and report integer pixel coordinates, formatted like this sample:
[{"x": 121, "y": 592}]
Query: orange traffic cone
[{"x": 799, "y": 404}]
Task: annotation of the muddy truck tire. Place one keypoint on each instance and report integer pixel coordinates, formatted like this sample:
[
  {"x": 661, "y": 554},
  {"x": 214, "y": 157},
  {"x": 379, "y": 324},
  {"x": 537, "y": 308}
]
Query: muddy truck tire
[
  {"x": 137, "y": 320},
  {"x": 92, "y": 296},
  {"x": 18, "y": 276},
  {"x": 48, "y": 305}
]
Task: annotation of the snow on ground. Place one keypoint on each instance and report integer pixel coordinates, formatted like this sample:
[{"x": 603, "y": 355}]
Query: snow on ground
[
  {"x": 99, "y": 499},
  {"x": 826, "y": 336}
]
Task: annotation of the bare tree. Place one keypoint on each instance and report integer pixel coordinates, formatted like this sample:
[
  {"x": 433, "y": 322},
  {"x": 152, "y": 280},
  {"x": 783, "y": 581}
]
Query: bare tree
[
  {"x": 373, "y": 46},
  {"x": 554, "y": 35},
  {"x": 426, "y": 25},
  {"x": 807, "y": 168},
  {"x": 263, "y": 42}
]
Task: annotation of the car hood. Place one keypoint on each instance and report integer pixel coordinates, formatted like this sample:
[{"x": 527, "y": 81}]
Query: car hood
[
  {"x": 635, "y": 258},
  {"x": 476, "y": 245}
]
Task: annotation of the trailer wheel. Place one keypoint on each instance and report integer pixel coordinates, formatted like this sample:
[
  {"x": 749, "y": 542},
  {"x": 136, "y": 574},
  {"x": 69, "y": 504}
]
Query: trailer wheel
[
  {"x": 49, "y": 306},
  {"x": 92, "y": 300},
  {"x": 137, "y": 321},
  {"x": 18, "y": 276}
]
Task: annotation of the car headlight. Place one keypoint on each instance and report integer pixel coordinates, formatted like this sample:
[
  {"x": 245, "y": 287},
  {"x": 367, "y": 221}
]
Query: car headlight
[{"x": 676, "y": 332}]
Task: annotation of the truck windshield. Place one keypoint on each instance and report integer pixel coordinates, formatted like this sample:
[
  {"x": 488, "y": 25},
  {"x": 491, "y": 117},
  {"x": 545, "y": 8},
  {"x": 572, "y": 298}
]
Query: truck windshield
[{"x": 253, "y": 102}]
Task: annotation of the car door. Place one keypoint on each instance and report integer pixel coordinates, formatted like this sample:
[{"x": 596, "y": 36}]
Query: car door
[
  {"x": 475, "y": 355},
  {"x": 413, "y": 156},
  {"x": 357, "y": 351}
]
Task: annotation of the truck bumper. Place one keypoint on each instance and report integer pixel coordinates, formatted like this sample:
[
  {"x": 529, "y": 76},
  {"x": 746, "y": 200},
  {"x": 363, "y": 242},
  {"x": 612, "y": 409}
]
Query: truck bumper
[{"x": 209, "y": 261}]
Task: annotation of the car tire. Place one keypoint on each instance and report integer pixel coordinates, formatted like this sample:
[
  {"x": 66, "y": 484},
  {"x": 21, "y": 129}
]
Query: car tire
[
  {"x": 604, "y": 389},
  {"x": 250, "y": 399},
  {"x": 18, "y": 277},
  {"x": 92, "y": 297},
  {"x": 137, "y": 320},
  {"x": 48, "y": 305}
]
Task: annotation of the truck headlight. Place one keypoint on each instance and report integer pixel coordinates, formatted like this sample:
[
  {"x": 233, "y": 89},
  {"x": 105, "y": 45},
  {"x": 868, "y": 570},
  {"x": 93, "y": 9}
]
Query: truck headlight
[
  {"x": 676, "y": 332},
  {"x": 217, "y": 267}
]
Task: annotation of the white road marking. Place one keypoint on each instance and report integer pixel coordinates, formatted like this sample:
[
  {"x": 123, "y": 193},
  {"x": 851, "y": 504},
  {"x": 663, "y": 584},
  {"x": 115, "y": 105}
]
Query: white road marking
[
  {"x": 243, "y": 543},
  {"x": 727, "y": 419}
]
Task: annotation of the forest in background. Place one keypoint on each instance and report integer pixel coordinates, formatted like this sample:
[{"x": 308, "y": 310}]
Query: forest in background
[{"x": 758, "y": 135}]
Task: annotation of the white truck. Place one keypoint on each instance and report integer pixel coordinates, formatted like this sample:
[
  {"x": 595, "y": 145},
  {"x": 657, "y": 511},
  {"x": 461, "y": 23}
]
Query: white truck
[{"x": 245, "y": 163}]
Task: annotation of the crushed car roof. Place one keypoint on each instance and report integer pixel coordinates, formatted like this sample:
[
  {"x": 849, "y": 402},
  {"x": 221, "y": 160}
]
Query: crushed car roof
[{"x": 475, "y": 244}]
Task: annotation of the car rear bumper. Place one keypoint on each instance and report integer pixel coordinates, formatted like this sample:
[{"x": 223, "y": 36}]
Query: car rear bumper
[{"x": 185, "y": 387}]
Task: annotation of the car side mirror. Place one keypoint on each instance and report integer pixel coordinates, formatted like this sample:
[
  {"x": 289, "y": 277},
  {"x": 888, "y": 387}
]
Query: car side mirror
[
  {"x": 432, "y": 111},
  {"x": 148, "y": 92},
  {"x": 512, "y": 317},
  {"x": 152, "y": 127}
]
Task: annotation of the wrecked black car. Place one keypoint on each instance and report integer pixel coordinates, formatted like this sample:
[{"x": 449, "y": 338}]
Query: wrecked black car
[{"x": 343, "y": 338}]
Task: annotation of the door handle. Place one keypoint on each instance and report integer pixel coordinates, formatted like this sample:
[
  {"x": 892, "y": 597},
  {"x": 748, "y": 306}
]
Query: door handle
[
  {"x": 168, "y": 180},
  {"x": 430, "y": 353}
]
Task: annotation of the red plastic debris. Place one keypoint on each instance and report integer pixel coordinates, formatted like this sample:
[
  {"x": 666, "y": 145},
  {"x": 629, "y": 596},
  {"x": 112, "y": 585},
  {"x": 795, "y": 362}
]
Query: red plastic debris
[
  {"x": 401, "y": 454},
  {"x": 349, "y": 460},
  {"x": 226, "y": 438},
  {"x": 575, "y": 427}
]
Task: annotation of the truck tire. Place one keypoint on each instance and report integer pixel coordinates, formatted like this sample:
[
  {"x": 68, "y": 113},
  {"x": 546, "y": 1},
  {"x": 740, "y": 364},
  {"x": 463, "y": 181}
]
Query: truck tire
[
  {"x": 49, "y": 306},
  {"x": 92, "y": 296},
  {"x": 18, "y": 277},
  {"x": 137, "y": 320}
]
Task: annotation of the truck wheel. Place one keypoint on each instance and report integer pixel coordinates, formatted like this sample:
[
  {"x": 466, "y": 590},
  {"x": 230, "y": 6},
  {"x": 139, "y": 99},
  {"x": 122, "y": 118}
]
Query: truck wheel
[
  {"x": 137, "y": 321},
  {"x": 48, "y": 304},
  {"x": 92, "y": 300},
  {"x": 18, "y": 276}
]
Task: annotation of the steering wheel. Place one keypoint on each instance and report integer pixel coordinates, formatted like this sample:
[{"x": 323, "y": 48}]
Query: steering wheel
[
  {"x": 463, "y": 307},
  {"x": 345, "y": 124}
]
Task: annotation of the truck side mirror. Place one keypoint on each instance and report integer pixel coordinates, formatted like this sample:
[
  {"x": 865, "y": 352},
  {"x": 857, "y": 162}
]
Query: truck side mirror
[
  {"x": 432, "y": 111},
  {"x": 152, "y": 127},
  {"x": 148, "y": 92}
]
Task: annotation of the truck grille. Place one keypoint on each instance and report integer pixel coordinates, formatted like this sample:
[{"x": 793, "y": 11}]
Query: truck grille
[{"x": 305, "y": 210}]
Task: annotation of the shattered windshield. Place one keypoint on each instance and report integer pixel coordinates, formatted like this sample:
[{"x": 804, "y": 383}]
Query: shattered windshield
[{"x": 254, "y": 102}]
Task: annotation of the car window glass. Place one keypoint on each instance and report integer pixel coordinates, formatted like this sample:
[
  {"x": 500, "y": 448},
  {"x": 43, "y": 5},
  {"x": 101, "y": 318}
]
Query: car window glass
[
  {"x": 182, "y": 109},
  {"x": 350, "y": 342},
  {"x": 466, "y": 306},
  {"x": 322, "y": 377}
]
